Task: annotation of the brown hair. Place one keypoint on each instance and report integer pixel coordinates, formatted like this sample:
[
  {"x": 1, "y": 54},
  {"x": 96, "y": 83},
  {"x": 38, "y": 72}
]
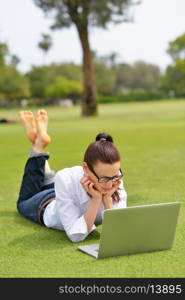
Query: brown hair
[{"x": 103, "y": 150}]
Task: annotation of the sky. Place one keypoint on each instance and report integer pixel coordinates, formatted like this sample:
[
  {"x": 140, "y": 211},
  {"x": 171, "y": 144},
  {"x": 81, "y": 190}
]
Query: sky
[{"x": 156, "y": 23}]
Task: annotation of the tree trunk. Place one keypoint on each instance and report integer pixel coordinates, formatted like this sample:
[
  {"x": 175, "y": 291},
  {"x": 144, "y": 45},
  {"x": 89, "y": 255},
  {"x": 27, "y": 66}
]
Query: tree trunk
[{"x": 89, "y": 103}]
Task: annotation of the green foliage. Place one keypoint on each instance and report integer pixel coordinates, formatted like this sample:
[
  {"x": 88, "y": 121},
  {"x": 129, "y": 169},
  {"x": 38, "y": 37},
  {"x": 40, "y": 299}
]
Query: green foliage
[
  {"x": 12, "y": 84},
  {"x": 174, "y": 78},
  {"x": 124, "y": 77},
  {"x": 136, "y": 82},
  {"x": 45, "y": 43},
  {"x": 113, "y": 79},
  {"x": 110, "y": 99},
  {"x": 14, "y": 61},
  {"x": 134, "y": 96},
  {"x": 62, "y": 87},
  {"x": 176, "y": 48},
  {"x": 143, "y": 95},
  {"x": 146, "y": 76},
  {"x": 70, "y": 71},
  {"x": 140, "y": 75},
  {"x": 93, "y": 13},
  {"x": 105, "y": 79},
  {"x": 3, "y": 53},
  {"x": 41, "y": 77},
  {"x": 83, "y": 14}
]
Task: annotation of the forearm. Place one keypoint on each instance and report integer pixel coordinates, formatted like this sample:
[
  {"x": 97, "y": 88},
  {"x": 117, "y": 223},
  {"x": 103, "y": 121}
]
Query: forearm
[{"x": 91, "y": 212}]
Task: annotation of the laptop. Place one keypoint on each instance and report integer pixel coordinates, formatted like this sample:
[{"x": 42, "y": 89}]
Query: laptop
[{"x": 136, "y": 229}]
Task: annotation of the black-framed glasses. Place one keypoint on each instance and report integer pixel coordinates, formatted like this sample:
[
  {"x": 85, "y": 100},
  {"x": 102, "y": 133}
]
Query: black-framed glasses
[{"x": 105, "y": 179}]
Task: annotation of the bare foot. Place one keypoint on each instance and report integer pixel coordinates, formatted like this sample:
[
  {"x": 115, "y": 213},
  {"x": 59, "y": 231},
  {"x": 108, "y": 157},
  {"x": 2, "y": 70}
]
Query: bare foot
[
  {"x": 28, "y": 120},
  {"x": 43, "y": 139}
]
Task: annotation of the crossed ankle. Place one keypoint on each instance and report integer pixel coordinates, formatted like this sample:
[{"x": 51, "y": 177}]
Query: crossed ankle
[{"x": 33, "y": 153}]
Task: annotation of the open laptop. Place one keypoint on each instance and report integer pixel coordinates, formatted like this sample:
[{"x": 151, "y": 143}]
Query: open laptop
[{"x": 136, "y": 229}]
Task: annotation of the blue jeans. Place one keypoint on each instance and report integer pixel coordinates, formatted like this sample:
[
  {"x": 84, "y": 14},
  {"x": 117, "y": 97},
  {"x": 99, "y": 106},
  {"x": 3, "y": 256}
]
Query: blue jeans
[{"x": 33, "y": 193}]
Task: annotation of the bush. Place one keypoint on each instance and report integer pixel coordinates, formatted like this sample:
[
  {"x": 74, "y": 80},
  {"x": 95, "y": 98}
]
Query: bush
[
  {"x": 13, "y": 86},
  {"x": 133, "y": 96},
  {"x": 63, "y": 87},
  {"x": 110, "y": 99}
]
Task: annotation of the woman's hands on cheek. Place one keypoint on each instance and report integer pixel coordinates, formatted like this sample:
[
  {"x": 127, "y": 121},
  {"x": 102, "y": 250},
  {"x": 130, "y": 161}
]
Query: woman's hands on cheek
[
  {"x": 89, "y": 187},
  {"x": 113, "y": 189},
  {"x": 107, "y": 197}
]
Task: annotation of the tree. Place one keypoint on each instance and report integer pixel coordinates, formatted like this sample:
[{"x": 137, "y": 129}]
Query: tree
[
  {"x": 63, "y": 87},
  {"x": 3, "y": 53},
  {"x": 13, "y": 85},
  {"x": 124, "y": 77},
  {"x": 176, "y": 48},
  {"x": 140, "y": 75},
  {"x": 173, "y": 80},
  {"x": 105, "y": 79},
  {"x": 83, "y": 14},
  {"x": 40, "y": 77},
  {"x": 145, "y": 76},
  {"x": 45, "y": 43},
  {"x": 7, "y": 58},
  {"x": 109, "y": 60},
  {"x": 14, "y": 61}
]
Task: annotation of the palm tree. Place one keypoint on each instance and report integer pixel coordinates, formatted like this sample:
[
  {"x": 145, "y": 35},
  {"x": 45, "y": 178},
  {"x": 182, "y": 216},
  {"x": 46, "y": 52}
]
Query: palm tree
[{"x": 45, "y": 44}]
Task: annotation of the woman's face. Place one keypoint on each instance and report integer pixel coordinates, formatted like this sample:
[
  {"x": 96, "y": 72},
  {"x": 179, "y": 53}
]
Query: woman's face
[{"x": 102, "y": 170}]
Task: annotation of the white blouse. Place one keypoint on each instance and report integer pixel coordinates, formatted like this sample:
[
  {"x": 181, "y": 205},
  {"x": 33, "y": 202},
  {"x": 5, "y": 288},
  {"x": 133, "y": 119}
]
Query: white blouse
[{"x": 67, "y": 211}]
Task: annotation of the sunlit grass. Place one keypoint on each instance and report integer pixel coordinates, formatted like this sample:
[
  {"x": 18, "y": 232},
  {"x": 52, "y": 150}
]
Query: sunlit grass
[{"x": 151, "y": 139}]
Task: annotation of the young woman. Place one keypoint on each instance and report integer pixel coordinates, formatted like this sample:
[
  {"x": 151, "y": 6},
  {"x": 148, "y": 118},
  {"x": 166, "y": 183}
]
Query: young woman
[{"x": 73, "y": 199}]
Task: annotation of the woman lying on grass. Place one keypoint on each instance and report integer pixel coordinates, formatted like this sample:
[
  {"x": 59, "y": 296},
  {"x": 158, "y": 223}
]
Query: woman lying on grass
[{"x": 73, "y": 199}]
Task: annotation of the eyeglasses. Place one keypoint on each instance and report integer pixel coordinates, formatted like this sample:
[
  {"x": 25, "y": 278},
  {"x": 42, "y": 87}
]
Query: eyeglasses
[{"x": 106, "y": 179}]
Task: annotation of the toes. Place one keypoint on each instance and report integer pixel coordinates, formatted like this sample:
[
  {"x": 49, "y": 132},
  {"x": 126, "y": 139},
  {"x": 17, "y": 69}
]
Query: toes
[
  {"x": 25, "y": 113},
  {"x": 26, "y": 117},
  {"x": 28, "y": 113},
  {"x": 41, "y": 112},
  {"x": 42, "y": 115}
]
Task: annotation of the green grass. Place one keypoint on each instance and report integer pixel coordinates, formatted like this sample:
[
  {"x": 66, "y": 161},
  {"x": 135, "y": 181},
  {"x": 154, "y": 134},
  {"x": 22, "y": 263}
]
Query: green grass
[{"x": 151, "y": 139}]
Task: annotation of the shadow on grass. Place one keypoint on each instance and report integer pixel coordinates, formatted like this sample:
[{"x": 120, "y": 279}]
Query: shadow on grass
[
  {"x": 42, "y": 238},
  {"x": 47, "y": 239}
]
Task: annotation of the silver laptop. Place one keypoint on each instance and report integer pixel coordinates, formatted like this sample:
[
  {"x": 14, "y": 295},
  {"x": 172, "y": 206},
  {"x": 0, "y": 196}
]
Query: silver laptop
[{"x": 136, "y": 229}]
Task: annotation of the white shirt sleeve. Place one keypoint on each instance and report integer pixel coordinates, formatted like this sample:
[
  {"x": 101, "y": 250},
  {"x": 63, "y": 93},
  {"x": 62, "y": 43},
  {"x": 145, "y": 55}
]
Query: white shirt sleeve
[{"x": 69, "y": 210}]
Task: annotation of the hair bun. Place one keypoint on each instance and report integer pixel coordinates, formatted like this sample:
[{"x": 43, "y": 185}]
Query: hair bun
[{"x": 104, "y": 137}]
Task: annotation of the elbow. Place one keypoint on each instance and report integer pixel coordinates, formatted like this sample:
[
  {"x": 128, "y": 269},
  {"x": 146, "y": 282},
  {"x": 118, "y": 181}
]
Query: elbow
[{"x": 75, "y": 238}]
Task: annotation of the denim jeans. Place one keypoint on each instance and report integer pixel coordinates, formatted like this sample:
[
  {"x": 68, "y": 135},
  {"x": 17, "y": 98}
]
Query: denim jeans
[{"x": 33, "y": 193}]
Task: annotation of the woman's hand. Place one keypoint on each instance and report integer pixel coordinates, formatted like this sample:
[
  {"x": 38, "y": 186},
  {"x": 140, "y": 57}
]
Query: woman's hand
[
  {"x": 107, "y": 197},
  {"x": 96, "y": 199},
  {"x": 89, "y": 187}
]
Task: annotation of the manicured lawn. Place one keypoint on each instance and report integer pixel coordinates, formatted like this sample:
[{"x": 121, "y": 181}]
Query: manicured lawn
[{"x": 151, "y": 139}]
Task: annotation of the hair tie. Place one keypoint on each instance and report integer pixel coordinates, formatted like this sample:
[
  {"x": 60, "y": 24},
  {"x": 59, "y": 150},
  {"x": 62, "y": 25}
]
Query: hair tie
[{"x": 103, "y": 139}]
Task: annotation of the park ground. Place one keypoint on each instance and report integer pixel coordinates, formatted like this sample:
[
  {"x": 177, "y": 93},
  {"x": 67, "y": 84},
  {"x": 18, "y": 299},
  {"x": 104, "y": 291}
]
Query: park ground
[{"x": 151, "y": 139}]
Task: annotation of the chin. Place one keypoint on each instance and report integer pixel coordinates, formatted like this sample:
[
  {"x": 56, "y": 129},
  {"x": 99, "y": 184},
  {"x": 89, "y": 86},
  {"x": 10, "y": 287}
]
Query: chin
[
  {"x": 103, "y": 192},
  {"x": 98, "y": 189}
]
